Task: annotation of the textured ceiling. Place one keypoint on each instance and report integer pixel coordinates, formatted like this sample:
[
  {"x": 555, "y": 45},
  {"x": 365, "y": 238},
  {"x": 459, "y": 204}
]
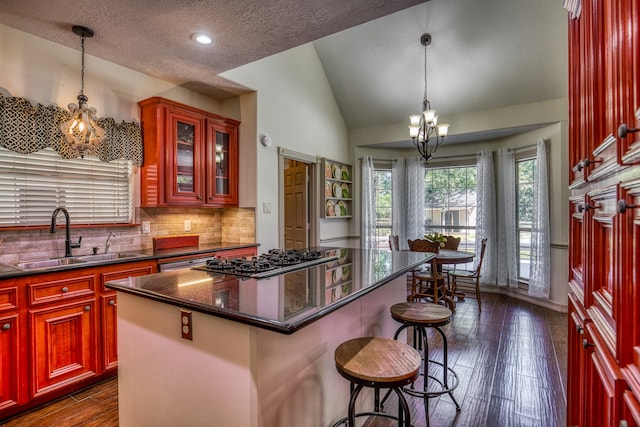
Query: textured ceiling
[
  {"x": 153, "y": 36},
  {"x": 485, "y": 53}
]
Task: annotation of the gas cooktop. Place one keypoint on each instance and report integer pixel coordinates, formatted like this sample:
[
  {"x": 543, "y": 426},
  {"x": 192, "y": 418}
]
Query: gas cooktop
[{"x": 272, "y": 263}]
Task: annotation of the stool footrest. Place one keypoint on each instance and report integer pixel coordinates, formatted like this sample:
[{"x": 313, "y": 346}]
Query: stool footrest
[{"x": 345, "y": 420}]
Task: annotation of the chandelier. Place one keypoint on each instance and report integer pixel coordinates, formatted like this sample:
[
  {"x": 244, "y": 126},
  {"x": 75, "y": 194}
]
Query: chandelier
[
  {"x": 82, "y": 133},
  {"x": 424, "y": 129}
]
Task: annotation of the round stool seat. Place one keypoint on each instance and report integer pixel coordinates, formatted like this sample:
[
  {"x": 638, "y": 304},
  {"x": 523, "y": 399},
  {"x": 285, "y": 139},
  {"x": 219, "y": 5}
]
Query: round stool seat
[
  {"x": 421, "y": 313},
  {"x": 381, "y": 362},
  {"x": 377, "y": 363}
]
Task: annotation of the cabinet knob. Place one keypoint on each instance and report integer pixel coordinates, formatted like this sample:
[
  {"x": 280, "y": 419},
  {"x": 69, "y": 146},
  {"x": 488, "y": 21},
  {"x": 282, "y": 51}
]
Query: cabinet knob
[
  {"x": 112, "y": 302},
  {"x": 579, "y": 329},
  {"x": 587, "y": 344},
  {"x": 623, "y": 206},
  {"x": 87, "y": 308},
  {"x": 623, "y": 130},
  {"x": 623, "y": 423},
  {"x": 65, "y": 290},
  {"x": 6, "y": 326},
  {"x": 583, "y": 207}
]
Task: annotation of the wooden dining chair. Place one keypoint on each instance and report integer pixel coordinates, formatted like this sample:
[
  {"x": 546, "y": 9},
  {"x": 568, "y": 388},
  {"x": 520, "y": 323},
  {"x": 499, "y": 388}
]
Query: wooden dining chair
[
  {"x": 428, "y": 283},
  {"x": 452, "y": 243},
  {"x": 469, "y": 279}
]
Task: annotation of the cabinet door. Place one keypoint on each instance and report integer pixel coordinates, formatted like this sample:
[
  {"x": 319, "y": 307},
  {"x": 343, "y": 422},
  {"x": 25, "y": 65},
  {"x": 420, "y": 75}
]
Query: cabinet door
[
  {"x": 109, "y": 332},
  {"x": 604, "y": 383},
  {"x": 184, "y": 142},
  {"x": 9, "y": 346},
  {"x": 109, "y": 308},
  {"x": 63, "y": 343},
  {"x": 601, "y": 282},
  {"x": 630, "y": 411},
  {"x": 577, "y": 361},
  {"x": 222, "y": 164}
]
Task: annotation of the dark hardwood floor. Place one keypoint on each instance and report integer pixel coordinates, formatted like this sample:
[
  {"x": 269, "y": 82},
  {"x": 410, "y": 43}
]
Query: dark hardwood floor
[{"x": 510, "y": 359}]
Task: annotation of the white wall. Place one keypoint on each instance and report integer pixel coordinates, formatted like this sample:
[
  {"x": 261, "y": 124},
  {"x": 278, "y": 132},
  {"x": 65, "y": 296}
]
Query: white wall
[{"x": 297, "y": 109}]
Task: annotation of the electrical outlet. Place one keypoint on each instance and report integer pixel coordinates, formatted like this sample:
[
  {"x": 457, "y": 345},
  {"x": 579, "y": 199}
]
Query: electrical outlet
[
  {"x": 266, "y": 207},
  {"x": 146, "y": 227},
  {"x": 186, "y": 324},
  {"x": 187, "y": 225}
]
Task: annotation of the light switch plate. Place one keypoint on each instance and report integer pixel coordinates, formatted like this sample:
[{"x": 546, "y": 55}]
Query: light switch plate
[
  {"x": 266, "y": 207},
  {"x": 146, "y": 227}
]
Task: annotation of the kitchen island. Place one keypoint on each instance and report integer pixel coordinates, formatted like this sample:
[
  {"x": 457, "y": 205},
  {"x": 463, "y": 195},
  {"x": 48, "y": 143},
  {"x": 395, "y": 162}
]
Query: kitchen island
[{"x": 261, "y": 352}]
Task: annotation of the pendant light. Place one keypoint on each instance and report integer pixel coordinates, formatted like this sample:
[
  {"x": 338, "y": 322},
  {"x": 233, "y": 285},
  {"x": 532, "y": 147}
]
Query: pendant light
[
  {"x": 82, "y": 133},
  {"x": 424, "y": 129}
]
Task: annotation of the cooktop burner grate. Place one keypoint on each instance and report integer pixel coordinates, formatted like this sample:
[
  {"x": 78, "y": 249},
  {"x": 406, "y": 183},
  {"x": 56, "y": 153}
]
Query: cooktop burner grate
[{"x": 272, "y": 263}]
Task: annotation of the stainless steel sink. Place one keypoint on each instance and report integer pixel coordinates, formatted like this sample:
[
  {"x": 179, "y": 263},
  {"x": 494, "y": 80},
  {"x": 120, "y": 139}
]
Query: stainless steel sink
[
  {"x": 48, "y": 263},
  {"x": 83, "y": 259},
  {"x": 105, "y": 257}
]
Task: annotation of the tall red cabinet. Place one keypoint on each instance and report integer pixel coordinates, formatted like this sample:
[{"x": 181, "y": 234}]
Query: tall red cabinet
[{"x": 604, "y": 235}]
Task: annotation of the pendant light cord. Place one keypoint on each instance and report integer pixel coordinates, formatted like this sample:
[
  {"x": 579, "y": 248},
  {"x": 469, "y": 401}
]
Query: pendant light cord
[{"x": 82, "y": 69}]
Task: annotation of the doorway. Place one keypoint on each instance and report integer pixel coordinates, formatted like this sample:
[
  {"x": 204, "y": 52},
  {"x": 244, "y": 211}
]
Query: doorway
[{"x": 297, "y": 231}]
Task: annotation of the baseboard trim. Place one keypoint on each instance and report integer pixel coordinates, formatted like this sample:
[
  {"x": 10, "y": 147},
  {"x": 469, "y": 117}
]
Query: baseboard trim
[{"x": 523, "y": 296}]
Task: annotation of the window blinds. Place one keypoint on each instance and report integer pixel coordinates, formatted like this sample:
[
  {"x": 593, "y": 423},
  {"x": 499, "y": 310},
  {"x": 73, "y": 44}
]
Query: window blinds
[{"x": 33, "y": 185}]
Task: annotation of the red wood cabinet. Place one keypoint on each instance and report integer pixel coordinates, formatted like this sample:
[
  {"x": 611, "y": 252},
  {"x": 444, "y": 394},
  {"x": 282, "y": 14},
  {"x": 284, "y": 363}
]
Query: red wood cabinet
[
  {"x": 109, "y": 308},
  {"x": 604, "y": 237},
  {"x": 190, "y": 156},
  {"x": 9, "y": 347},
  {"x": 63, "y": 345},
  {"x": 58, "y": 332}
]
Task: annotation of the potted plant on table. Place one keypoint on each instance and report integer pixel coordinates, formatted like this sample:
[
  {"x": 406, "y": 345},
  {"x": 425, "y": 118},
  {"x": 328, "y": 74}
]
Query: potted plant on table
[{"x": 436, "y": 237}]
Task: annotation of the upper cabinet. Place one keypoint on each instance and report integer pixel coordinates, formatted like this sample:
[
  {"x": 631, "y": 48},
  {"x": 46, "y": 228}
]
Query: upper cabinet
[{"x": 190, "y": 156}]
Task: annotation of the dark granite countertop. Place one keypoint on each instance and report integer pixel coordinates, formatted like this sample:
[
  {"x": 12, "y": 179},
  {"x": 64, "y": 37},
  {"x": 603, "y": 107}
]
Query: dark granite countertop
[
  {"x": 8, "y": 271},
  {"x": 283, "y": 303}
]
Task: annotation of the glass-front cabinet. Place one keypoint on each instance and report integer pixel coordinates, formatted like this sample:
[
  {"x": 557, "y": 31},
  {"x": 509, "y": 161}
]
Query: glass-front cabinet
[
  {"x": 183, "y": 185},
  {"x": 190, "y": 156},
  {"x": 222, "y": 155}
]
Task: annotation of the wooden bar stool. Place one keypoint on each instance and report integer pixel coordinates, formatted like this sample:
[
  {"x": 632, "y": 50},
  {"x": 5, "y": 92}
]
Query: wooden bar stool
[
  {"x": 377, "y": 363},
  {"x": 421, "y": 315}
]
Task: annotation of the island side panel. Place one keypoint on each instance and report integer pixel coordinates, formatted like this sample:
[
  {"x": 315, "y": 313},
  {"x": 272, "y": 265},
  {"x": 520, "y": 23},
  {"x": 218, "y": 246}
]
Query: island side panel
[
  {"x": 296, "y": 379},
  {"x": 164, "y": 380}
]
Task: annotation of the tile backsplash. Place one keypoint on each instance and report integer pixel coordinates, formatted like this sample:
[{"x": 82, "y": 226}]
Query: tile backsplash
[{"x": 212, "y": 225}]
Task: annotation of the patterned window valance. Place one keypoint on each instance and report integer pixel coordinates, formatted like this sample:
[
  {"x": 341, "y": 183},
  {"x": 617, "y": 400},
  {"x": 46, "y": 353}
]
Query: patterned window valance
[{"x": 26, "y": 128}]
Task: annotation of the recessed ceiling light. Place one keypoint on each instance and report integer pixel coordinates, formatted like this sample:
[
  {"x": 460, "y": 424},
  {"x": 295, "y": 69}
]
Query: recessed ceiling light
[{"x": 201, "y": 38}]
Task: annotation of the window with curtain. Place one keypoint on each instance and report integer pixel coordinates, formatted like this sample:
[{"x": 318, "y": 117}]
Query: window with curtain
[
  {"x": 33, "y": 185},
  {"x": 525, "y": 172},
  {"x": 383, "y": 207},
  {"x": 450, "y": 203}
]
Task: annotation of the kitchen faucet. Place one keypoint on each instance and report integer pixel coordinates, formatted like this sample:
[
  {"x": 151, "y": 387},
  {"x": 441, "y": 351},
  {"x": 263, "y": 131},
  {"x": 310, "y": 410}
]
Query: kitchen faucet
[
  {"x": 106, "y": 245},
  {"x": 67, "y": 241}
]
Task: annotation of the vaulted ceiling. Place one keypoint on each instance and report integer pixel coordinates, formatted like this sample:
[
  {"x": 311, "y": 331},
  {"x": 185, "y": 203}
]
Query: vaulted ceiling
[{"x": 485, "y": 53}]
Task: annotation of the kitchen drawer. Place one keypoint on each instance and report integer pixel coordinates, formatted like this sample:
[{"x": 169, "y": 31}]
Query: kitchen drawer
[
  {"x": 8, "y": 299},
  {"x": 61, "y": 290}
]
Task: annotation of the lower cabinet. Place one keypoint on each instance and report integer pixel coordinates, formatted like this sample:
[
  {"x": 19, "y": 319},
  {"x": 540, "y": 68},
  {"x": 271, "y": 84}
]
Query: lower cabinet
[
  {"x": 630, "y": 411},
  {"x": 63, "y": 345},
  {"x": 9, "y": 348},
  {"x": 58, "y": 332},
  {"x": 109, "y": 332}
]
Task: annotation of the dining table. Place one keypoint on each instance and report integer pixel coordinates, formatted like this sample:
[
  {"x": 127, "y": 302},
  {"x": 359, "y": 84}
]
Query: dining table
[{"x": 450, "y": 256}]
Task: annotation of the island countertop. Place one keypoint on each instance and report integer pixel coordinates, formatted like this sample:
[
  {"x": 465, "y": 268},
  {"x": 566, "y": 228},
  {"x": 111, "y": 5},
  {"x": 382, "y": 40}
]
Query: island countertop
[{"x": 284, "y": 303}]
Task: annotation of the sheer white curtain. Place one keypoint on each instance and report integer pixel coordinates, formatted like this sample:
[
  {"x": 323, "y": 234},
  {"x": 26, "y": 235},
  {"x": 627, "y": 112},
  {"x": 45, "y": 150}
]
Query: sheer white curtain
[
  {"x": 507, "y": 262},
  {"x": 368, "y": 223},
  {"x": 407, "y": 180},
  {"x": 486, "y": 217},
  {"x": 540, "y": 276}
]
